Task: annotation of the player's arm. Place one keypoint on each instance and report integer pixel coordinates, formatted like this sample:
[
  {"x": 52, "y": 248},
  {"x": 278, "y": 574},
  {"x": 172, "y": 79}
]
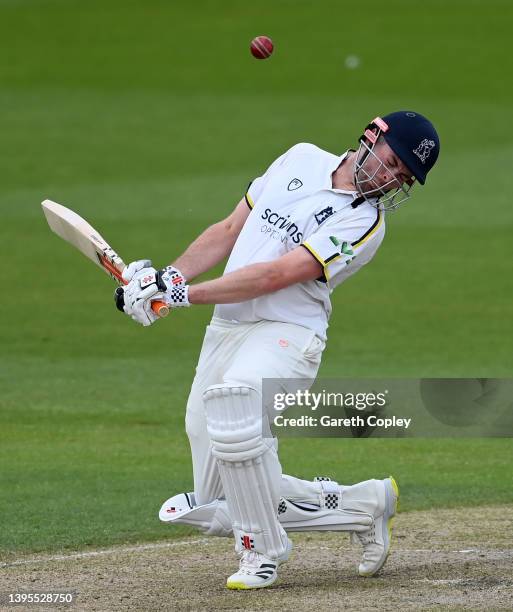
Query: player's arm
[
  {"x": 213, "y": 245},
  {"x": 258, "y": 279},
  {"x": 209, "y": 248},
  {"x": 216, "y": 242}
]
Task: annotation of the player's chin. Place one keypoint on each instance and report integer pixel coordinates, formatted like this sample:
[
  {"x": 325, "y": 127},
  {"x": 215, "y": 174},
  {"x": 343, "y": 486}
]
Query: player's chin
[{"x": 370, "y": 190}]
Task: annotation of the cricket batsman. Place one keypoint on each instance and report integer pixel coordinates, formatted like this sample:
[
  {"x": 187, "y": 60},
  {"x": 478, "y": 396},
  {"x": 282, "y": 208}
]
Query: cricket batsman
[{"x": 306, "y": 225}]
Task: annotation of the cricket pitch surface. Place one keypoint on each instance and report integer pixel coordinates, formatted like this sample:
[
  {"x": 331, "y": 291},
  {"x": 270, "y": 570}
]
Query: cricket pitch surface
[{"x": 459, "y": 559}]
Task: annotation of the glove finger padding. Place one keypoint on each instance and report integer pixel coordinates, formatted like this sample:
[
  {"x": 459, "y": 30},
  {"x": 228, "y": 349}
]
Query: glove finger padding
[
  {"x": 134, "y": 294},
  {"x": 144, "y": 312},
  {"x": 140, "y": 281},
  {"x": 141, "y": 308},
  {"x": 142, "y": 315},
  {"x": 135, "y": 266}
]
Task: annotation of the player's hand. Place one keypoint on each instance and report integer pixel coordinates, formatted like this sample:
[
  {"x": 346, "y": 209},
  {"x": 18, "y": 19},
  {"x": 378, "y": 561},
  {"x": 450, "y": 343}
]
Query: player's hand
[
  {"x": 128, "y": 274},
  {"x": 176, "y": 290},
  {"x": 136, "y": 266},
  {"x": 147, "y": 285},
  {"x": 141, "y": 277},
  {"x": 169, "y": 286}
]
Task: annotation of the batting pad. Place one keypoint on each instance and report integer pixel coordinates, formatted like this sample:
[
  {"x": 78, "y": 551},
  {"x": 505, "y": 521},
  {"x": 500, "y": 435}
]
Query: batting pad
[{"x": 249, "y": 468}]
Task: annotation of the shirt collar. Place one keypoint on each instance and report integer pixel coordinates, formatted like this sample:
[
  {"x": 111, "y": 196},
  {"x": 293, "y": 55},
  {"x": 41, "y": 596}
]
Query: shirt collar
[{"x": 331, "y": 169}]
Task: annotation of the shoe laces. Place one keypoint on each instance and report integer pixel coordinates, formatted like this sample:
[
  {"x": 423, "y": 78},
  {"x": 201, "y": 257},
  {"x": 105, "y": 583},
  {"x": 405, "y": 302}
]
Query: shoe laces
[
  {"x": 250, "y": 558},
  {"x": 365, "y": 537}
]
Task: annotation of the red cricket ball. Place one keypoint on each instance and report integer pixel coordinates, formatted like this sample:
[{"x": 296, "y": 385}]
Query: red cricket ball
[{"x": 261, "y": 47}]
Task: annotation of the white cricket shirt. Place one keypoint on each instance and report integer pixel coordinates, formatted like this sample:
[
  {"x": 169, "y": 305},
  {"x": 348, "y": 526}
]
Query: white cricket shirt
[{"x": 294, "y": 205}]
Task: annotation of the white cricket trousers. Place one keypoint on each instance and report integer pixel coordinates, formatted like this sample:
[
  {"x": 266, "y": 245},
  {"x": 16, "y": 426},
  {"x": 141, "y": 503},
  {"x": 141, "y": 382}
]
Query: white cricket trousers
[{"x": 244, "y": 353}]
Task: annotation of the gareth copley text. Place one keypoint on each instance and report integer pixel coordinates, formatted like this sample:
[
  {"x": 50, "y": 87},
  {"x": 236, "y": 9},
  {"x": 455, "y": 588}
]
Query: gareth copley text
[{"x": 326, "y": 421}]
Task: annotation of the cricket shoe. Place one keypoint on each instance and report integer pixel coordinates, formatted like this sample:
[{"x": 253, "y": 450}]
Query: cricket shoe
[
  {"x": 256, "y": 570},
  {"x": 376, "y": 539}
]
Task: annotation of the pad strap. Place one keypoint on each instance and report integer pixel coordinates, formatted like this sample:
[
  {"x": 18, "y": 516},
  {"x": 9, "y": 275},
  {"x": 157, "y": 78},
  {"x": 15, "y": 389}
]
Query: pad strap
[{"x": 331, "y": 497}]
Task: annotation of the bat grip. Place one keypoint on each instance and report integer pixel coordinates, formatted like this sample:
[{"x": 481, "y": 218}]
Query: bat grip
[{"x": 161, "y": 309}]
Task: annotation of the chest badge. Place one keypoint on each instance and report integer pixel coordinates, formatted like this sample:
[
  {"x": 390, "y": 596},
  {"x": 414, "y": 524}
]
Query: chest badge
[
  {"x": 323, "y": 214},
  {"x": 294, "y": 184}
]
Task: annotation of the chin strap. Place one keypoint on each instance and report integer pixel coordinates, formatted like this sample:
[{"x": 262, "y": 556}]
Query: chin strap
[{"x": 357, "y": 201}]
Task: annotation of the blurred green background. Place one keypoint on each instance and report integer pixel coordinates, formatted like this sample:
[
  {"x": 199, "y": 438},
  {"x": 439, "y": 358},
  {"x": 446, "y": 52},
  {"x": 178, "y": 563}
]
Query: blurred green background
[{"x": 149, "y": 118}]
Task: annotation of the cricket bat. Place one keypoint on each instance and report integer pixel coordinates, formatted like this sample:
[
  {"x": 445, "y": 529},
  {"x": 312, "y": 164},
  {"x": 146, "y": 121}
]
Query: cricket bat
[{"x": 77, "y": 231}]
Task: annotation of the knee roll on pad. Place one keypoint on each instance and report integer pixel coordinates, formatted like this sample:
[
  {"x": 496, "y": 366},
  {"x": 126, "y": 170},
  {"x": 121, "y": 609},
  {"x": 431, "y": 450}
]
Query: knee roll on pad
[
  {"x": 234, "y": 422},
  {"x": 249, "y": 467}
]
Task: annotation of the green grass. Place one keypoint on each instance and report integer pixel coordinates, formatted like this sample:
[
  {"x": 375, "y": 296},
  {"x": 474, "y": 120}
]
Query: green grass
[
  {"x": 91, "y": 456},
  {"x": 150, "y": 118}
]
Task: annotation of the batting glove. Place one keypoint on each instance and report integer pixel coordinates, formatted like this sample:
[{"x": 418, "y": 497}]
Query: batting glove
[
  {"x": 136, "y": 266},
  {"x": 128, "y": 274},
  {"x": 141, "y": 278},
  {"x": 147, "y": 285},
  {"x": 174, "y": 286}
]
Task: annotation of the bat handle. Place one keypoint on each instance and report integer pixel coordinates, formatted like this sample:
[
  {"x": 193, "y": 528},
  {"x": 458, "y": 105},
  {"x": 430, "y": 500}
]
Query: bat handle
[{"x": 161, "y": 309}]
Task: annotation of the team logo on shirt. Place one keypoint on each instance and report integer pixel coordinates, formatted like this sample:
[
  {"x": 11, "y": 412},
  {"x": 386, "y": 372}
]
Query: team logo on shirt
[
  {"x": 323, "y": 214},
  {"x": 294, "y": 184}
]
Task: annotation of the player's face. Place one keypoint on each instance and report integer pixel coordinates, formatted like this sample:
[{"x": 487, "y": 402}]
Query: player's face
[
  {"x": 383, "y": 171},
  {"x": 380, "y": 177}
]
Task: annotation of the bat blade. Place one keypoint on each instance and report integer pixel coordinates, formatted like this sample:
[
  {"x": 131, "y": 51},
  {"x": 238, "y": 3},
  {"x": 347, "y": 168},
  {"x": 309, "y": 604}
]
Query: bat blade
[
  {"x": 75, "y": 230},
  {"x": 72, "y": 228}
]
